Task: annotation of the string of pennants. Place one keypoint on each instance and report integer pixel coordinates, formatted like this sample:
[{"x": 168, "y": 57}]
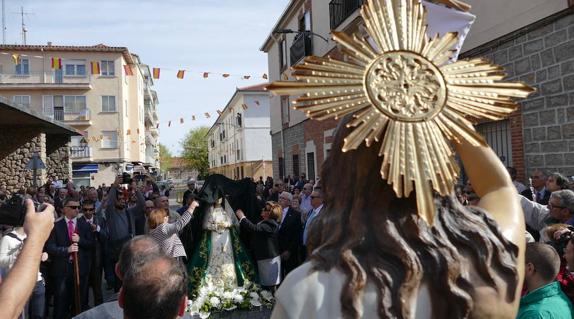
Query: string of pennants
[
  {"x": 169, "y": 123},
  {"x": 95, "y": 69}
]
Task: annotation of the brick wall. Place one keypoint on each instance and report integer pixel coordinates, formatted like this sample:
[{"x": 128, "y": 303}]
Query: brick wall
[
  {"x": 314, "y": 130},
  {"x": 294, "y": 142},
  {"x": 541, "y": 55}
]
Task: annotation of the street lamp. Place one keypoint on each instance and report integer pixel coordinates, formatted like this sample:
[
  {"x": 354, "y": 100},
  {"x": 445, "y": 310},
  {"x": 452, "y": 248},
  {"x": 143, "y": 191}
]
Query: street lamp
[
  {"x": 83, "y": 144},
  {"x": 287, "y": 31}
]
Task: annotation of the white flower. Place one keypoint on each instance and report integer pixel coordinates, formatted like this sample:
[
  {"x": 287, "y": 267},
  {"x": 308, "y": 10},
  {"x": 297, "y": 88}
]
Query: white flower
[
  {"x": 238, "y": 298},
  {"x": 268, "y": 296},
  {"x": 214, "y": 301},
  {"x": 204, "y": 315},
  {"x": 255, "y": 302},
  {"x": 254, "y": 295}
]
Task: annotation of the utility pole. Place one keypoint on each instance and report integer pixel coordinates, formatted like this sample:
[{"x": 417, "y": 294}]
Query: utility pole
[
  {"x": 24, "y": 30},
  {"x": 3, "y": 21}
]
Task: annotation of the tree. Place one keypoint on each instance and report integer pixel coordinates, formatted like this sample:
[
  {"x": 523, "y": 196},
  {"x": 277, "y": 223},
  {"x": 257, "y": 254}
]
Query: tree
[
  {"x": 164, "y": 158},
  {"x": 195, "y": 150}
]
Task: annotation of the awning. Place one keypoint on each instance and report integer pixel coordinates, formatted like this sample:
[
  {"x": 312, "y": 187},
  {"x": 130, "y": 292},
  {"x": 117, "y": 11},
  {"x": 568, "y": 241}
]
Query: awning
[{"x": 85, "y": 168}]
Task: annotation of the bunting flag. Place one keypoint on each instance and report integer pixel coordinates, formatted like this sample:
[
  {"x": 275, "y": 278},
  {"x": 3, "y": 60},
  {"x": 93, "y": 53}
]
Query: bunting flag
[
  {"x": 181, "y": 120},
  {"x": 138, "y": 130},
  {"x": 56, "y": 63},
  {"x": 133, "y": 141},
  {"x": 246, "y": 77},
  {"x": 207, "y": 115},
  {"x": 16, "y": 58},
  {"x": 129, "y": 132},
  {"x": 169, "y": 124},
  {"x": 225, "y": 75},
  {"x": 265, "y": 76},
  {"x": 180, "y": 74},
  {"x": 155, "y": 73},
  {"x": 257, "y": 102},
  {"x": 244, "y": 106},
  {"x": 95, "y": 66},
  {"x": 205, "y": 75},
  {"x": 128, "y": 70},
  {"x": 193, "y": 117}
]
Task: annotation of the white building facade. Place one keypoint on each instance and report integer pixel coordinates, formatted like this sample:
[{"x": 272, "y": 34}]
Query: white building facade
[{"x": 239, "y": 142}]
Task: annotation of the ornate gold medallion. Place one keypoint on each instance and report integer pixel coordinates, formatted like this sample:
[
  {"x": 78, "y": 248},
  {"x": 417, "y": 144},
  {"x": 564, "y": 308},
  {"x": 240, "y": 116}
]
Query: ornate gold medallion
[
  {"x": 399, "y": 88},
  {"x": 405, "y": 86}
]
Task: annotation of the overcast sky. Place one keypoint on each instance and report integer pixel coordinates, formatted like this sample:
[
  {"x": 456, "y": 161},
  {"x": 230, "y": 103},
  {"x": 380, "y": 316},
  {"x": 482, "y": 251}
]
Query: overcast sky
[{"x": 222, "y": 36}]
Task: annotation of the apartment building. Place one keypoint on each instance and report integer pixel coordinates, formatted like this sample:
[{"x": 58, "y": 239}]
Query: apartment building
[
  {"x": 532, "y": 39},
  {"x": 98, "y": 90},
  {"x": 239, "y": 141}
]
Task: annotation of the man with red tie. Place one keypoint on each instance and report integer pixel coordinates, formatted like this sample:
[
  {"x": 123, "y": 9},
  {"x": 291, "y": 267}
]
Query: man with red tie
[{"x": 71, "y": 237}]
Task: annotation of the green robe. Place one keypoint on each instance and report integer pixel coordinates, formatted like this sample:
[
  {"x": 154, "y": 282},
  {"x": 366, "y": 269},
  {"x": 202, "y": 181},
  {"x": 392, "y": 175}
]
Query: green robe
[{"x": 197, "y": 267}]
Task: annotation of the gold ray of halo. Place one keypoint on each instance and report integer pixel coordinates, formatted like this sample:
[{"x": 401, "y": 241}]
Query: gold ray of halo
[{"x": 401, "y": 91}]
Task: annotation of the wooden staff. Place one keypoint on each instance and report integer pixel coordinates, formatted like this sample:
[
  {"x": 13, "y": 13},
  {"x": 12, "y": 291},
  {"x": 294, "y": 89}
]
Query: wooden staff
[{"x": 78, "y": 303}]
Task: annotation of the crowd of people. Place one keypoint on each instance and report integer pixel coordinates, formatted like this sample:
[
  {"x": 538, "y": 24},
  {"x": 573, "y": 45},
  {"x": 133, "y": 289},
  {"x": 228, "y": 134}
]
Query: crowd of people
[
  {"x": 82, "y": 254},
  {"x": 109, "y": 237}
]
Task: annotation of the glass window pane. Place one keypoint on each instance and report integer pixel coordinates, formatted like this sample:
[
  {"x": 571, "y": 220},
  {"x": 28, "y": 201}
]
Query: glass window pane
[
  {"x": 70, "y": 69},
  {"x": 81, "y": 69}
]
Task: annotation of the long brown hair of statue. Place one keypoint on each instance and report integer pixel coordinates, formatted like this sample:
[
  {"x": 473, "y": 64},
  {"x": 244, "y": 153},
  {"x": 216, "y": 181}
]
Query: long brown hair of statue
[{"x": 368, "y": 233}]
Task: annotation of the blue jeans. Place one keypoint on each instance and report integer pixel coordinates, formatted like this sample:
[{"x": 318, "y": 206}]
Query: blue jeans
[{"x": 36, "y": 302}]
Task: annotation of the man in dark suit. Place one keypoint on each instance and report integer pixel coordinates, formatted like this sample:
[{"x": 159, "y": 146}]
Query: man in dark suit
[
  {"x": 539, "y": 184},
  {"x": 289, "y": 234},
  {"x": 98, "y": 229},
  {"x": 71, "y": 238}
]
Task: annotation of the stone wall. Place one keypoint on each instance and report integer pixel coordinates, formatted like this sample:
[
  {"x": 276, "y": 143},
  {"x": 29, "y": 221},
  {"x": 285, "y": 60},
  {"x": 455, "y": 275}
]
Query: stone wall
[
  {"x": 294, "y": 144},
  {"x": 18, "y": 146},
  {"x": 541, "y": 55},
  {"x": 58, "y": 161}
]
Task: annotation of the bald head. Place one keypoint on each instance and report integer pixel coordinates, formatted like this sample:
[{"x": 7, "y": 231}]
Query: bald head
[
  {"x": 135, "y": 252},
  {"x": 164, "y": 281}
]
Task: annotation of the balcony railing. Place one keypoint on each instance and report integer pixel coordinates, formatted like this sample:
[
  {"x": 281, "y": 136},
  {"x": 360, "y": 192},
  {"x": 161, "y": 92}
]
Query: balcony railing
[
  {"x": 78, "y": 152},
  {"x": 80, "y": 117},
  {"x": 51, "y": 79},
  {"x": 339, "y": 10},
  {"x": 302, "y": 46}
]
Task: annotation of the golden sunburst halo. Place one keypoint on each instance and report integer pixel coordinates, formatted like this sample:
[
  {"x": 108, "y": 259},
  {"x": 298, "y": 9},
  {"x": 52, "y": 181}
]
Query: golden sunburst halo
[{"x": 398, "y": 86}]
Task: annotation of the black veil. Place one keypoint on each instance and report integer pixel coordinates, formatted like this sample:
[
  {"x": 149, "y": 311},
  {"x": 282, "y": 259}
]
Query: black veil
[{"x": 239, "y": 194}]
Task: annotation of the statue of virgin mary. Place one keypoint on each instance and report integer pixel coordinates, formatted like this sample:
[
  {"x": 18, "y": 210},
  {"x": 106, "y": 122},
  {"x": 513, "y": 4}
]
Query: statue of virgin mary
[{"x": 219, "y": 258}]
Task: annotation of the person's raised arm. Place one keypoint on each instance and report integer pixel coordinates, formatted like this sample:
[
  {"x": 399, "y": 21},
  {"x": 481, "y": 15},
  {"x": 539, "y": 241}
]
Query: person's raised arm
[
  {"x": 113, "y": 196},
  {"x": 491, "y": 182},
  {"x": 176, "y": 227},
  {"x": 17, "y": 287},
  {"x": 139, "y": 209}
]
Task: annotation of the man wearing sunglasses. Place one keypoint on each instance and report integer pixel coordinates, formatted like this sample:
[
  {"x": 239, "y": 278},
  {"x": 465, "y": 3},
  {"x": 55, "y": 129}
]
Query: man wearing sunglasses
[
  {"x": 97, "y": 226},
  {"x": 71, "y": 237}
]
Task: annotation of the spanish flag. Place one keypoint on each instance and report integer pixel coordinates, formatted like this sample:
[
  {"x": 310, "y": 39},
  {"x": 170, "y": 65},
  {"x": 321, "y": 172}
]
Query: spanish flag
[
  {"x": 207, "y": 115},
  {"x": 265, "y": 76},
  {"x": 16, "y": 58},
  {"x": 95, "y": 66},
  {"x": 181, "y": 120},
  {"x": 128, "y": 70},
  {"x": 156, "y": 73},
  {"x": 225, "y": 75},
  {"x": 244, "y": 106},
  {"x": 56, "y": 63},
  {"x": 205, "y": 75},
  {"x": 193, "y": 117},
  {"x": 180, "y": 74}
]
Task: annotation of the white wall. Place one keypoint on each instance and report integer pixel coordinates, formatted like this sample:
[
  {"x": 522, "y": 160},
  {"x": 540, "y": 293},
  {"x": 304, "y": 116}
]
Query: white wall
[{"x": 496, "y": 18}]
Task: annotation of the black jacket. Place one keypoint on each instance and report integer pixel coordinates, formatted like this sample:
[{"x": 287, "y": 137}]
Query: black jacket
[
  {"x": 544, "y": 200},
  {"x": 264, "y": 240},
  {"x": 58, "y": 243},
  {"x": 289, "y": 233}
]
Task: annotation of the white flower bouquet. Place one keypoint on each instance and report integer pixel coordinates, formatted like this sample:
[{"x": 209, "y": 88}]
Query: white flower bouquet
[{"x": 214, "y": 299}]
